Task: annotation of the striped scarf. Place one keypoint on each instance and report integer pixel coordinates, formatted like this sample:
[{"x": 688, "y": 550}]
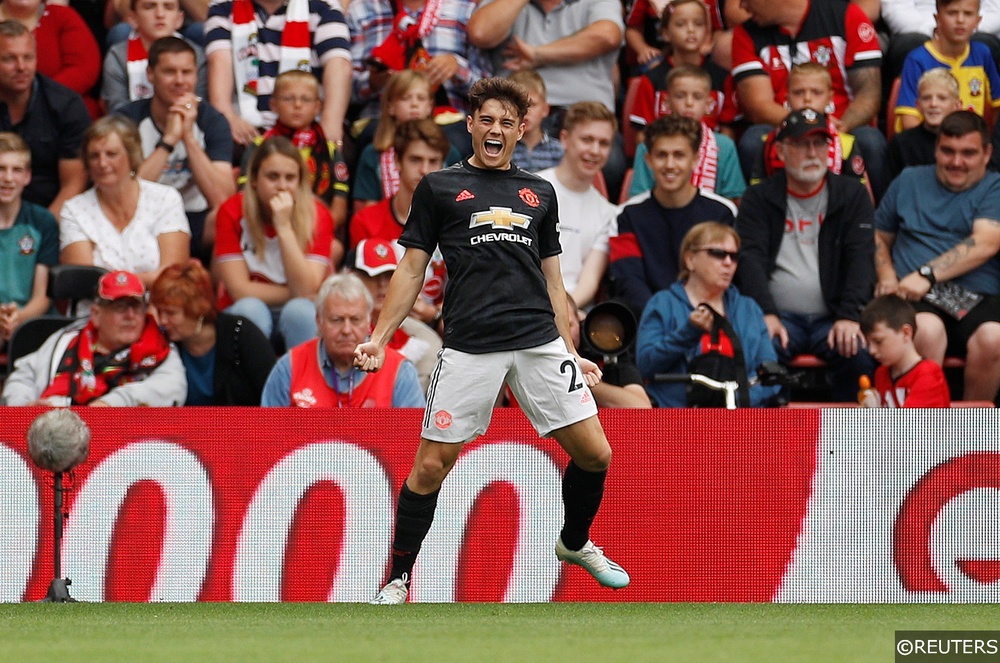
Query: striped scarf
[
  {"x": 295, "y": 51},
  {"x": 136, "y": 62},
  {"x": 389, "y": 173},
  {"x": 707, "y": 168}
]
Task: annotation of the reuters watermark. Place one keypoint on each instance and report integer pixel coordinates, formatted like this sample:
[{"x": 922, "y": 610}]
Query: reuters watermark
[{"x": 946, "y": 646}]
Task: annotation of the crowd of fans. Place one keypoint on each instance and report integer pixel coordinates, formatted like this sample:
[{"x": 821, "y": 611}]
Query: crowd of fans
[{"x": 242, "y": 169}]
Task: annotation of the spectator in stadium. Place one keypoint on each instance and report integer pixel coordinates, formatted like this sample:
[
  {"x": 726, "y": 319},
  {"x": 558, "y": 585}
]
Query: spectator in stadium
[
  {"x": 226, "y": 358},
  {"x": 573, "y": 46},
  {"x": 248, "y": 43},
  {"x": 124, "y": 77},
  {"x": 388, "y": 37},
  {"x": 621, "y": 384},
  {"x": 186, "y": 143},
  {"x": 518, "y": 335},
  {"x": 937, "y": 97},
  {"x": 29, "y": 241},
  {"x": 272, "y": 245},
  {"x": 50, "y": 117},
  {"x": 419, "y": 147},
  {"x": 676, "y": 325},
  {"x": 685, "y": 29},
  {"x": 904, "y": 378},
  {"x": 117, "y": 357},
  {"x": 375, "y": 261},
  {"x": 689, "y": 94},
  {"x": 123, "y": 221},
  {"x": 938, "y": 230},
  {"x": 66, "y": 49},
  {"x": 645, "y": 252},
  {"x": 406, "y": 97},
  {"x": 296, "y": 102},
  {"x": 911, "y": 23},
  {"x": 807, "y": 254},
  {"x": 951, "y": 47},
  {"x": 838, "y": 35},
  {"x": 586, "y": 218},
  {"x": 810, "y": 86},
  {"x": 321, "y": 372},
  {"x": 536, "y": 150}
]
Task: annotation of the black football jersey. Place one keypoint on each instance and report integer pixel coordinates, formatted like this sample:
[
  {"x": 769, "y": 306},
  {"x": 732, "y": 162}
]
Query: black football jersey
[{"x": 493, "y": 227}]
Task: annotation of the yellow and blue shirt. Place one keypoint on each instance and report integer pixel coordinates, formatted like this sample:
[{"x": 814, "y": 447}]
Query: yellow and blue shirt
[{"x": 978, "y": 79}]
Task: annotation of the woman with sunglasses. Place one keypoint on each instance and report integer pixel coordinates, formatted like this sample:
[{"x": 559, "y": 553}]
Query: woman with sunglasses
[{"x": 677, "y": 322}]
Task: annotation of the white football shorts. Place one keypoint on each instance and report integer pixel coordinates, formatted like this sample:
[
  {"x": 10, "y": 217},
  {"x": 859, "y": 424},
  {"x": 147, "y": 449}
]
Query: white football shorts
[{"x": 546, "y": 381}]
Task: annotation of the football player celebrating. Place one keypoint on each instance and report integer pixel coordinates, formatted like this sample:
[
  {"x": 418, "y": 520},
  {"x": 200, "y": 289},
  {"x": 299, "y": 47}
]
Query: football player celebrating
[{"x": 504, "y": 322}]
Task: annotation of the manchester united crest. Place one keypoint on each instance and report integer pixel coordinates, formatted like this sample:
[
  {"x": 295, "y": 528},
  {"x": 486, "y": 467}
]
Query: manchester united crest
[{"x": 529, "y": 197}]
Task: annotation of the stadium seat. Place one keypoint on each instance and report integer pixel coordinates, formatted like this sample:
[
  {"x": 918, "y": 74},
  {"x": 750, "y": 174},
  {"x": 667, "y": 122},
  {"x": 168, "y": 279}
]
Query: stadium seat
[
  {"x": 71, "y": 284},
  {"x": 890, "y": 109},
  {"x": 626, "y": 185},
  {"x": 628, "y": 131},
  {"x": 30, "y": 335},
  {"x": 600, "y": 184}
]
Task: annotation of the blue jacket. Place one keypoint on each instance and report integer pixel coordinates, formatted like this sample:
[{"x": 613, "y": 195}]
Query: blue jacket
[{"x": 667, "y": 340}]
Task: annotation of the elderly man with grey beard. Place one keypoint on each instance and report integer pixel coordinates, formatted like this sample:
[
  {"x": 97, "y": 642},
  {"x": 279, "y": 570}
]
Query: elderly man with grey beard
[{"x": 807, "y": 254}]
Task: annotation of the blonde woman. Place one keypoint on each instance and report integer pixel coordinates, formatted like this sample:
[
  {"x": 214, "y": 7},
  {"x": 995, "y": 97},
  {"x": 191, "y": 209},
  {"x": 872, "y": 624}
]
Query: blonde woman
[
  {"x": 272, "y": 245},
  {"x": 122, "y": 222}
]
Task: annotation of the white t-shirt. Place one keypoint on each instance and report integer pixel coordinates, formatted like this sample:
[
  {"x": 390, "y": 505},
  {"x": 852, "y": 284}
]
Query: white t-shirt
[
  {"x": 135, "y": 249},
  {"x": 586, "y": 221}
]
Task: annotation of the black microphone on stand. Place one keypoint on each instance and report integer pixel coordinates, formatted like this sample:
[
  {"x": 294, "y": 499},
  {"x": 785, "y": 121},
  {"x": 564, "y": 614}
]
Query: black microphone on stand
[{"x": 58, "y": 441}]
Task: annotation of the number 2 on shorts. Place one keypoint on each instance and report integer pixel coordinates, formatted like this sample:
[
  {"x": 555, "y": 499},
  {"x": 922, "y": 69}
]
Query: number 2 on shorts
[{"x": 571, "y": 365}]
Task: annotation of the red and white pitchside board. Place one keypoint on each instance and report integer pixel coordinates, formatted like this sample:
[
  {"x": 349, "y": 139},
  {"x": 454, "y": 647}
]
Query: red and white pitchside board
[{"x": 204, "y": 504}]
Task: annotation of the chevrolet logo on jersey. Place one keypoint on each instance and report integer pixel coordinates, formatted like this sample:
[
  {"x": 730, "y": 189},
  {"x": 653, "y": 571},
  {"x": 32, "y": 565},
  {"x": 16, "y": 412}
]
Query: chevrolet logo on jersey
[{"x": 500, "y": 217}]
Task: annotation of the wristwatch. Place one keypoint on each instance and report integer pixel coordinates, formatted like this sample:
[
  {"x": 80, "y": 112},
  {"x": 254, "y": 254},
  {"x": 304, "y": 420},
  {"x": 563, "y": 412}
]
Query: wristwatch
[
  {"x": 165, "y": 145},
  {"x": 927, "y": 272}
]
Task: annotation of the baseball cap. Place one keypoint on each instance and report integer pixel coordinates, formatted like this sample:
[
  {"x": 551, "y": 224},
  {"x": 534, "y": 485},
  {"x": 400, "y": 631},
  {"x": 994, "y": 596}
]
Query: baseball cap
[
  {"x": 802, "y": 123},
  {"x": 119, "y": 285},
  {"x": 375, "y": 256}
]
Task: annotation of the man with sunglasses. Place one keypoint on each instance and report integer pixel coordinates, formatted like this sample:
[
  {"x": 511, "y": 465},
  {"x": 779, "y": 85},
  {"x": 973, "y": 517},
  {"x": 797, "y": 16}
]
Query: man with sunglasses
[
  {"x": 116, "y": 357},
  {"x": 807, "y": 255},
  {"x": 645, "y": 252}
]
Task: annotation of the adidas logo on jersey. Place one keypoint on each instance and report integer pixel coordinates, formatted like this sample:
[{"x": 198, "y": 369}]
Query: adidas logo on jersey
[{"x": 465, "y": 195}]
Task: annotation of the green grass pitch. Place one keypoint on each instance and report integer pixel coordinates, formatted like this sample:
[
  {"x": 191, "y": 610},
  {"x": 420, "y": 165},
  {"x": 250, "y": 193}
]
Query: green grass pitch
[{"x": 567, "y": 632}]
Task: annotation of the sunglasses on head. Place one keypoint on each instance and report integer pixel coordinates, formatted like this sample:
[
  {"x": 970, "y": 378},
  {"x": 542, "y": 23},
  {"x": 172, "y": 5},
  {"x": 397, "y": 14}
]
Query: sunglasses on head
[{"x": 722, "y": 254}]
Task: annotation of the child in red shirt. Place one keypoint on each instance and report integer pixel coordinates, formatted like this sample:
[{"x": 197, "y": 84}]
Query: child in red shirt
[{"x": 904, "y": 379}]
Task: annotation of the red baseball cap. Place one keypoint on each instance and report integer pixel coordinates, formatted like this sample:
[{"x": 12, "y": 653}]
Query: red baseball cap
[
  {"x": 375, "y": 256},
  {"x": 120, "y": 284}
]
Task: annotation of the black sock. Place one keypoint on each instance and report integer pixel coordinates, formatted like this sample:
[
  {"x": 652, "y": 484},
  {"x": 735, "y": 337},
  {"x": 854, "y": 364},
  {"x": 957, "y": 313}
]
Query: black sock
[
  {"x": 414, "y": 515},
  {"x": 581, "y": 492}
]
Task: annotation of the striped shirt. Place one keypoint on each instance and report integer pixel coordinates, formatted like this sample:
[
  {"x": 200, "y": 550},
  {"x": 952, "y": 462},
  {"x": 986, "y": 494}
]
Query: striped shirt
[
  {"x": 329, "y": 33},
  {"x": 370, "y": 22},
  {"x": 836, "y": 34}
]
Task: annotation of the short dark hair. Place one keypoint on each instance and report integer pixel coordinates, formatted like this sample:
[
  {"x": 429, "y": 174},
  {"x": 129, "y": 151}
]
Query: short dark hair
[
  {"x": 512, "y": 95},
  {"x": 168, "y": 45},
  {"x": 962, "y": 122},
  {"x": 890, "y": 310},
  {"x": 11, "y": 28},
  {"x": 673, "y": 125},
  {"x": 426, "y": 130}
]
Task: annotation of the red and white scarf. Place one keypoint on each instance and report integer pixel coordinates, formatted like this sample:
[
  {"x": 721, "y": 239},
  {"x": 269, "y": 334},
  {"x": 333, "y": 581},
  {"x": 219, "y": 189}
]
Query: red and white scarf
[
  {"x": 707, "y": 168},
  {"x": 835, "y": 157},
  {"x": 136, "y": 62},
  {"x": 389, "y": 173},
  {"x": 84, "y": 375},
  {"x": 295, "y": 50}
]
